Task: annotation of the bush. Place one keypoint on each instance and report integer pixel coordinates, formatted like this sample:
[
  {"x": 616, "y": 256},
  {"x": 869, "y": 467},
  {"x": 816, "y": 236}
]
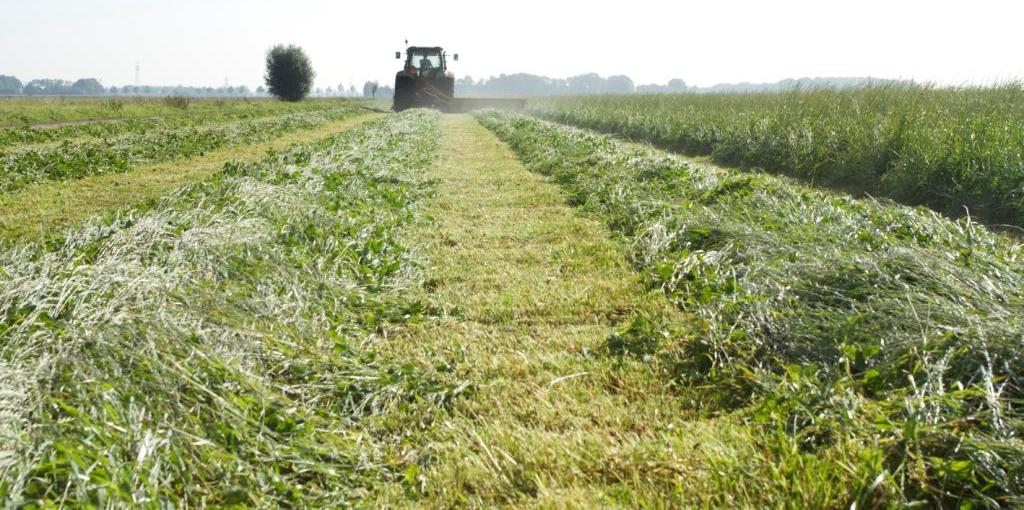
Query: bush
[{"x": 289, "y": 73}]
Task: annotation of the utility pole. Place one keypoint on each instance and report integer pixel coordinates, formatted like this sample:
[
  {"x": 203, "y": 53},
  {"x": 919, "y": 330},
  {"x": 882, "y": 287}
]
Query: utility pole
[{"x": 138, "y": 80}]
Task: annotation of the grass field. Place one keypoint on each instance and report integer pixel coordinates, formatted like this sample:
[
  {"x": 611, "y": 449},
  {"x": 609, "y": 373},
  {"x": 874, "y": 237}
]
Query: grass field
[
  {"x": 327, "y": 306},
  {"x": 954, "y": 150}
]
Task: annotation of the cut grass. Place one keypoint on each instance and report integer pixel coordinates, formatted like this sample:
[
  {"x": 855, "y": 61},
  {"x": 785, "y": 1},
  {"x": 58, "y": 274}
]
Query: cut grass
[
  {"x": 879, "y": 346},
  {"x": 44, "y": 210},
  {"x": 529, "y": 294},
  {"x": 68, "y": 161},
  {"x": 216, "y": 348},
  {"x": 81, "y": 131},
  {"x": 26, "y": 111}
]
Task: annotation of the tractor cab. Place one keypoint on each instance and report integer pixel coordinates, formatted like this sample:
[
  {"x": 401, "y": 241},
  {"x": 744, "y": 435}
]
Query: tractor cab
[
  {"x": 426, "y": 82},
  {"x": 425, "y": 79},
  {"x": 425, "y": 61}
]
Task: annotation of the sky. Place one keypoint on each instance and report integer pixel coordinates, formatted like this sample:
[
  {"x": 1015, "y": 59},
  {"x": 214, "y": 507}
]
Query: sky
[{"x": 208, "y": 43}]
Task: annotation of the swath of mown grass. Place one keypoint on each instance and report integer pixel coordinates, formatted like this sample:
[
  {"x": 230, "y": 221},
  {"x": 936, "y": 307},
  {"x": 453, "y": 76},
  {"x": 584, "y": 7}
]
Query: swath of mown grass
[
  {"x": 215, "y": 348},
  {"x": 43, "y": 212},
  {"x": 188, "y": 116},
  {"x": 834, "y": 324},
  {"x": 26, "y": 111},
  {"x": 955, "y": 150},
  {"x": 75, "y": 159}
]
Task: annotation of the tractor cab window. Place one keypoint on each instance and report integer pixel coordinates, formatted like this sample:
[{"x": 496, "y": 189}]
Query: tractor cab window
[{"x": 424, "y": 60}]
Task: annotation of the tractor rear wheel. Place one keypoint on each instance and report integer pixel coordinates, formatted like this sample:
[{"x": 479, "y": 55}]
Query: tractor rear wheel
[{"x": 405, "y": 94}]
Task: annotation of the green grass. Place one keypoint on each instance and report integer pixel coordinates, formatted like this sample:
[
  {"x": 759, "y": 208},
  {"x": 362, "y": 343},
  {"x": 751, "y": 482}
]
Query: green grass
[
  {"x": 876, "y": 348},
  {"x": 403, "y": 315},
  {"x": 217, "y": 348},
  {"x": 954, "y": 150}
]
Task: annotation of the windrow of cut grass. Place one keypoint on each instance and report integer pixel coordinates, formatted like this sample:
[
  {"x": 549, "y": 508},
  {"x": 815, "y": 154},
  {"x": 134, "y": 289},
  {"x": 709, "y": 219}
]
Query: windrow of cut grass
[
  {"x": 216, "y": 349},
  {"x": 43, "y": 212},
  {"x": 27, "y": 111},
  {"x": 954, "y": 150},
  {"x": 230, "y": 111},
  {"x": 887, "y": 339},
  {"x": 76, "y": 159}
]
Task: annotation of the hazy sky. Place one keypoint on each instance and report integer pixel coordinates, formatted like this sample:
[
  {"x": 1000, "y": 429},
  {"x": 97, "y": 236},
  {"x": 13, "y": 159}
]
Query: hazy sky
[{"x": 193, "y": 42}]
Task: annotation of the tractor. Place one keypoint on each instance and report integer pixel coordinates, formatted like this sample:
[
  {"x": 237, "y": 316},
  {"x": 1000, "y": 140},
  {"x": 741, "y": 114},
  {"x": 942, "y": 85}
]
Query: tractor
[{"x": 426, "y": 82}]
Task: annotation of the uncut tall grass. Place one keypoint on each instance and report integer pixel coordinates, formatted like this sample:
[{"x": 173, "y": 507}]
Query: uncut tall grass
[{"x": 955, "y": 150}]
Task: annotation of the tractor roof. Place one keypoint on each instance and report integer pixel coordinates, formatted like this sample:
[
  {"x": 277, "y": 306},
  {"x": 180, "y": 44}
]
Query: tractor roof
[{"x": 428, "y": 48}]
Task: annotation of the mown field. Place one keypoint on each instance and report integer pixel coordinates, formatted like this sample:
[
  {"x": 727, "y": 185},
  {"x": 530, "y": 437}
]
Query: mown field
[
  {"x": 21, "y": 112},
  {"x": 958, "y": 151},
  {"x": 316, "y": 305},
  {"x": 877, "y": 347},
  {"x": 136, "y": 158}
]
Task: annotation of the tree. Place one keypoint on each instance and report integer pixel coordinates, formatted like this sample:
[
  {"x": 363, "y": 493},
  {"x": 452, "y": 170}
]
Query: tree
[
  {"x": 289, "y": 74},
  {"x": 352, "y": 91},
  {"x": 260, "y": 90},
  {"x": 9, "y": 85},
  {"x": 87, "y": 87},
  {"x": 676, "y": 85},
  {"x": 370, "y": 89},
  {"x": 48, "y": 87}
]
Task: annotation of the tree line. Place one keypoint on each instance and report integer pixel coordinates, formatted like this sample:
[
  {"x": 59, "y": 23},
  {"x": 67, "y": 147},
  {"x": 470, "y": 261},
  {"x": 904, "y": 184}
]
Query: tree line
[
  {"x": 524, "y": 84},
  {"x": 12, "y": 86},
  {"x": 518, "y": 84}
]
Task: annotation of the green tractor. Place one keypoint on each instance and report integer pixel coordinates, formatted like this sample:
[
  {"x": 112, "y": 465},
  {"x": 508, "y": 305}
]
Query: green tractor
[{"x": 426, "y": 82}]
